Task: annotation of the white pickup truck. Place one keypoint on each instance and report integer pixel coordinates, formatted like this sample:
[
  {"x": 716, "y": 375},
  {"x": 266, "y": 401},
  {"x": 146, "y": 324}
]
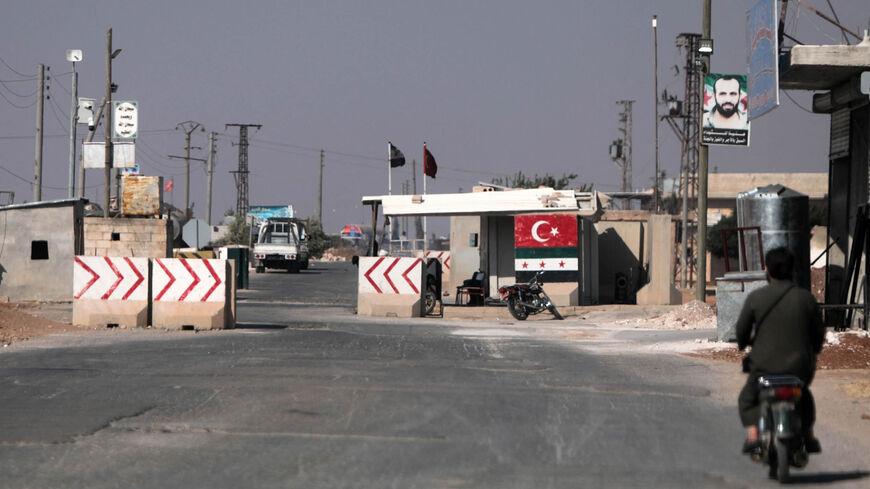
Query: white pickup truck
[{"x": 281, "y": 243}]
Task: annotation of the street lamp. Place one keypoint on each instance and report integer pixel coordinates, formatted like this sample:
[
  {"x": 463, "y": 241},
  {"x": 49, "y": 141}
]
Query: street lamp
[
  {"x": 73, "y": 55},
  {"x": 705, "y": 46}
]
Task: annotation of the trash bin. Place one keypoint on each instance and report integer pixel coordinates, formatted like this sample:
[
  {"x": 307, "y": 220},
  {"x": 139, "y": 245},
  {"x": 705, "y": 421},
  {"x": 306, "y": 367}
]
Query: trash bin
[{"x": 242, "y": 256}]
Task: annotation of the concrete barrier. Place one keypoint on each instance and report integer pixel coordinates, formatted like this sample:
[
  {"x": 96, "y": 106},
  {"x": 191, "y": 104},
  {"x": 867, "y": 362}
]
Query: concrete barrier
[
  {"x": 110, "y": 291},
  {"x": 192, "y": 294},
  {"x": 390, "y": 286}
]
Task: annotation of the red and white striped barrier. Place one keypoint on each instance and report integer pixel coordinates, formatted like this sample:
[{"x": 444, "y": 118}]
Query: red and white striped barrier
[
  {"x": 188, "y": 280},
  {"x": 444, "y": 256},
  {"x": 390, "y": 285},
  {"x": 110, "y": 291},
  {"x": 192, "y": 293}
]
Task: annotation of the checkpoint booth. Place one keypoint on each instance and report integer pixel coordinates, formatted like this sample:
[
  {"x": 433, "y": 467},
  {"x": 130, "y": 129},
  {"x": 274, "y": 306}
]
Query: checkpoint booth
[{"x": 497, "y": 237}]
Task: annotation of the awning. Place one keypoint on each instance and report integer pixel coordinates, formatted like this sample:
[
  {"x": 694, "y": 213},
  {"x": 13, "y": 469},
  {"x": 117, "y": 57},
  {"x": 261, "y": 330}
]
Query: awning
[{"x": 508, "y": 202}]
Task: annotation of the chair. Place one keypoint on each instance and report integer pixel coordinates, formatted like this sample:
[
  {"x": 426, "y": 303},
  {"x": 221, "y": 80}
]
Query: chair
[{"x": 471, "y": 292}]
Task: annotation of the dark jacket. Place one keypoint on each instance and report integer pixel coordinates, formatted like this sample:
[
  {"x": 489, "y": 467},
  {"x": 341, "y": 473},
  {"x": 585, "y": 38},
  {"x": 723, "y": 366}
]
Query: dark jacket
[{"x": 791, "y": 335}]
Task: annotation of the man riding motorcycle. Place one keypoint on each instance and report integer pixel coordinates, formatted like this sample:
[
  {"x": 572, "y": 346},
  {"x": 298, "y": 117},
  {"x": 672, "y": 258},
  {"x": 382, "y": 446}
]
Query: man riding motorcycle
[{"x": 781, "y": 322}]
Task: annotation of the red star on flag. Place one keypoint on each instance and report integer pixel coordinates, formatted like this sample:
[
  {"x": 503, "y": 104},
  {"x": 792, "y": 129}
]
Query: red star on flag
[
  {"x": 543, "y": 265},
  {"x": 562, "y": 264},
  {"x": 525, "y": 265}
]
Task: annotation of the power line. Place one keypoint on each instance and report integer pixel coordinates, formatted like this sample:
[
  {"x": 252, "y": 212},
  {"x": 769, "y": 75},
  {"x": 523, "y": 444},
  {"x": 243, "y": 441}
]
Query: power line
[
  {"x": 13, "y": 92},
  {"x": 16, "y": 71},
  {"x": 16, "y": 105}
]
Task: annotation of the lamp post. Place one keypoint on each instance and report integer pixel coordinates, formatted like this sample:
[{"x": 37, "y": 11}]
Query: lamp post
[{"x": 73, "y": 55}]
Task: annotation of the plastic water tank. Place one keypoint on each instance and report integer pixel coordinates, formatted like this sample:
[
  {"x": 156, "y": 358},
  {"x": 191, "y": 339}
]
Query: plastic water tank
[{"x": 783, "y": 216}]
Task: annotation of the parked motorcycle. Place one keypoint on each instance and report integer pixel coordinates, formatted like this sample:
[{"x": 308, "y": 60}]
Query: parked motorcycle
[
  {"x": 528, "y": 299},
  {"x": 779, "y": 429}
]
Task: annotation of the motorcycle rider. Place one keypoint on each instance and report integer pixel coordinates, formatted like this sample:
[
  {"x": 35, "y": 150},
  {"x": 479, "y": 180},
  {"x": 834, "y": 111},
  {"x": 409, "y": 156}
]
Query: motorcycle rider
[{"x": 781, "y": 322}]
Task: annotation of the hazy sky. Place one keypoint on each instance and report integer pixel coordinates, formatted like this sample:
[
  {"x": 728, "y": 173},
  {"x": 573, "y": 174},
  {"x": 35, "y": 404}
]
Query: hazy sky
[{"x": 493, "y": 87}]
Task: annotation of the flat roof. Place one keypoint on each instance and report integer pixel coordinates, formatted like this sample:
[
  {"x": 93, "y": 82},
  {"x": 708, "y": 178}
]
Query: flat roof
[
  {"x": 42, "y": 203},
  {"x": 507, "y": 202}
]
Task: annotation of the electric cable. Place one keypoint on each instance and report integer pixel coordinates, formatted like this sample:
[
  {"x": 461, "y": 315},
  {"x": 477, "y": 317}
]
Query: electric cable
[{"x": 14, "y": 70}]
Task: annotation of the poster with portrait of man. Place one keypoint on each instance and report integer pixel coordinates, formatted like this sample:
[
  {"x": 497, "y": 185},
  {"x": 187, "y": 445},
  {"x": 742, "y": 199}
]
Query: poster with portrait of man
[{"x": 725, "y": 119}]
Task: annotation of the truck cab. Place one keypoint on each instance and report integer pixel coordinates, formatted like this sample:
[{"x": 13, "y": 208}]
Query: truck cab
[{"x": 279, "y": 245}]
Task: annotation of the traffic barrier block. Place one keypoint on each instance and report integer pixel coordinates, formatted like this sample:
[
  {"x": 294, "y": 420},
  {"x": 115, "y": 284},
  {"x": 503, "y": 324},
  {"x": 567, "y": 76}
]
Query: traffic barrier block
[
  {"x": 390, "y": 286},
  {"x": 192, "y": 293},
  {"x": 110, "y": 291}
]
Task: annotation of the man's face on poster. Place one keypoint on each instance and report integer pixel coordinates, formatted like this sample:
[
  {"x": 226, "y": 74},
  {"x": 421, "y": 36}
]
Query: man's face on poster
[{"x": 727, "y": 96}]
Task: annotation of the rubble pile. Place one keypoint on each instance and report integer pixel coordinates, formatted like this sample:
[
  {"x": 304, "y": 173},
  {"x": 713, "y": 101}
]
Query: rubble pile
[{"x": 692, "y": 315}]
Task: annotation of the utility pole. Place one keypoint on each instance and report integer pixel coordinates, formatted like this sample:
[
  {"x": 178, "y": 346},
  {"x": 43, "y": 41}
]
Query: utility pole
[
  {"x": 37, "y": 177},
  {"x": 320, "y": 193},
  {"x": 691, "y": 142},
  {"x": 701, "y": 284},
  {"x": 73, "y": 120},
  {"x": 188, "y": 127},
  {"x": 242, "y": 204},
  {"x": 620, "y": 150},
  {"x": 656, "y": 108},
  {"x": 92, "y": 129},
  {"x": 110, "y": 156},
  {"x": 211, "y": 152}
]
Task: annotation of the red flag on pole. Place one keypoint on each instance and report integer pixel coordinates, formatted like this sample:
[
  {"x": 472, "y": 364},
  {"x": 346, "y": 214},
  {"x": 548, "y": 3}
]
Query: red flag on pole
[
  {"x": 429, "y": 166},
  {"x": 168, "y": 186}
]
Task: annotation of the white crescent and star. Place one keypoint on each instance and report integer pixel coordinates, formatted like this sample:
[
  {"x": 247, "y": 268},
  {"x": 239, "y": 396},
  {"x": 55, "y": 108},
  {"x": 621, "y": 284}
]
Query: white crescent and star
[{"x": 553, "y": 232}]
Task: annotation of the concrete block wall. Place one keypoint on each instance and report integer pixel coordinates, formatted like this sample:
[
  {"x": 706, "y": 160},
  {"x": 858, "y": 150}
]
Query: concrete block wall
[{"x": 127, "y": 237}]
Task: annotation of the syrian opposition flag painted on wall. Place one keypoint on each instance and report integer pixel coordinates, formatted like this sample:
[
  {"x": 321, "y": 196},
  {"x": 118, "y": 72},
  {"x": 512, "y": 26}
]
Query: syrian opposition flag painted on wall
[{"x": 547, "y": 243}]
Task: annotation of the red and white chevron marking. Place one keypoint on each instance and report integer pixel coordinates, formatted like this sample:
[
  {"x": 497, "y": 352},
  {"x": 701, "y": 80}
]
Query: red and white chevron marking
[
  {"x": 390, "y": 275},
  {"x": 110, "y": 278},
  {"x": 444, "y": 256},
  {"x": 188, "y": 280}
]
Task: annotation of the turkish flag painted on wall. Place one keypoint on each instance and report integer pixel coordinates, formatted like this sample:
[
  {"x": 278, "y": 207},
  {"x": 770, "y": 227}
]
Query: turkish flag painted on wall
[{"x": 559, "y": 230}]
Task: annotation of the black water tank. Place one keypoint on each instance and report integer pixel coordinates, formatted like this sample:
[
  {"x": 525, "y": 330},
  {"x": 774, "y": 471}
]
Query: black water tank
[{"x": 783, "y": 216}]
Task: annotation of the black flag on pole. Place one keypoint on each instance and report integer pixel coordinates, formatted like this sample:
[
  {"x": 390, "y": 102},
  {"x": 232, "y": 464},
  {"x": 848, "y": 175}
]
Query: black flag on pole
[{"x": 397, "y": 159}]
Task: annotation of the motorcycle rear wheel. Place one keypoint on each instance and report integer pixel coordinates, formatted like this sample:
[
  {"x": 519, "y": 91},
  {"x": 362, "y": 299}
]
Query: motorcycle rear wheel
[
  {"x": 517, "y": 310},
  {"x": 782, "y": 462}
]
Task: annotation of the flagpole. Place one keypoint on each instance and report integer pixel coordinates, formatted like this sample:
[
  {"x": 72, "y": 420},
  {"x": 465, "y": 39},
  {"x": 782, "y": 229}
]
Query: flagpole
[
  {"x": 425, "y": 231},
  {"x": 389, "y": 169}
]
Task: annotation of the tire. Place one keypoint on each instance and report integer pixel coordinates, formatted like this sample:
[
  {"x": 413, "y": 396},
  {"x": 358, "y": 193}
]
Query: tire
[
  {"x": 293, "y": 267},
  {"x": 518, "y": 311},
  {"x": 260, "y": 269},
  {"x": 429, "y": 301},
  {"x": 552, "y": 308},
  {"x": 305, "y": 265},
  {"x": 781, "y": 462}
]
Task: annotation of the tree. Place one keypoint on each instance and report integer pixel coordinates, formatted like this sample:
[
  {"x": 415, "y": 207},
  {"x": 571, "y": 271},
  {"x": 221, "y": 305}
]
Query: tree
[
  {"x": 520, "y": 180},
  {"x": 318, "y": 241},
  {"x": 714, "y": 237},
  {"x": 238, "y": 232}
]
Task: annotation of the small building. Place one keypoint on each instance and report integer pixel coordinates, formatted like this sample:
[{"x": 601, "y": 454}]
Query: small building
[
  {"x": 38, "y": 245},
  {"x": 483, "y": 234}
]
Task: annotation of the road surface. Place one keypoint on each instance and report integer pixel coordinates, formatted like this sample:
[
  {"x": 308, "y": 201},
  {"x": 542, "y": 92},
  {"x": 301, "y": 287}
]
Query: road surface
[{"x": 306, "y": 394}]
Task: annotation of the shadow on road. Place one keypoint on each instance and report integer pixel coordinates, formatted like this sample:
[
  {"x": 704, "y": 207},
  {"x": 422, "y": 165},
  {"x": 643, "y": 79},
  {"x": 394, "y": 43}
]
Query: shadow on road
[
  {"x": 828, "y": 477},
  {"x": 260, "y": 326}
]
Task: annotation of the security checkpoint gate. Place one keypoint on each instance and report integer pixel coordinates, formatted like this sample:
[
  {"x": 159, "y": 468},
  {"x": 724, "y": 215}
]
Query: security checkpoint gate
[
  {"x": 390, "y": 286},
  {"x": 110, "y": 291}
]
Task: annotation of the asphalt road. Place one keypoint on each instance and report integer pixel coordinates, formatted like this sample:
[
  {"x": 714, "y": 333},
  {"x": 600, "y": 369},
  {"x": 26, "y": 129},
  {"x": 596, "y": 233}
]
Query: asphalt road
[{"x": 306, "y": 394}]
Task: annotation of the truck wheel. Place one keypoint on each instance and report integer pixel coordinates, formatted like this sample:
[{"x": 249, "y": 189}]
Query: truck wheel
[
  {"x": 293, "y": 267},
  {"x": 260, "y": 269}
]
